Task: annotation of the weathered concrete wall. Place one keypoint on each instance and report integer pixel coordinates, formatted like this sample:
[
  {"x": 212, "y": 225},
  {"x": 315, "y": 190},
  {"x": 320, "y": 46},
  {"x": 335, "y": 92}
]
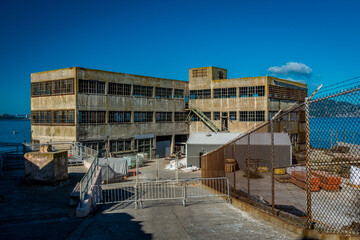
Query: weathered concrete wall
[
  {"x": 92, "y": 102},
  {"x": 45, "y": 133},
  {"x": 46, "y": 167}
]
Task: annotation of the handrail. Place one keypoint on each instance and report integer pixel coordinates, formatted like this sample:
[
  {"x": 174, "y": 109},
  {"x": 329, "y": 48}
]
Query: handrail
[
  {"x": 87, "y": 179},
  {"x": 204, "y": 118}
]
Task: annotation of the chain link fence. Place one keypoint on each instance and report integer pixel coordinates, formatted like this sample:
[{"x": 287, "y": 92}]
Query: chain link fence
[
  {"x": 333, "y": 162},
  {"x": 302, "y": 165}
]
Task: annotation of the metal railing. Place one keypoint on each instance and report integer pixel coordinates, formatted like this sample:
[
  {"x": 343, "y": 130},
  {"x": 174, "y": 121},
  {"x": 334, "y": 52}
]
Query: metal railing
[
  {"x": 182, "y": 189},
  {"x": 87, "y": 181},
  {"x": 203, "y": 117}
]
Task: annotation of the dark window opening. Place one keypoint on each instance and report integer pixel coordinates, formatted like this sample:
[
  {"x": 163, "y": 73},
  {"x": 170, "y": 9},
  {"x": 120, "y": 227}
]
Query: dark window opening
[
  {"x": 143, "y": 116},
  {"x": 119, "y": 89},
  {"x": 119, "y": 117},
  {"x": 163, "y": 92},
  {"x": 91, "y": 117},
  {"x": 200, "y": 94}
]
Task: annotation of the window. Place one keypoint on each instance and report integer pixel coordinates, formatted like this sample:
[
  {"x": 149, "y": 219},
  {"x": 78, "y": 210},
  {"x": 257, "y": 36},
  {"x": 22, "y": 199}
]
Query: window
[
  {"x": 260, "y": 116},
  {"x": 163, "y": 116},
  {"x": 252, "y": 116},
  {"x": 286, "y": 93},
  {"x": 208, "y": 114},
  {"x": 119, "y": 117},
  {"x": 63, "y": 117},
  {"x": 143, "y": 116},
  {"x": 225, "y": 93},
  {"x": 200, "y": 94},
  {"x": 143, "y": 91},
  {"x": 178, "y": 93},
  {"x": 119, "y": 89},
  {"x": 41, "y": 117},
  {"x": 120, "y": 145},
  {"x": 216, "y": 115},
  {"x": 41, "y": 89},
  {"x": 91, "y": 117},
  {"x": 294, "y": 116},
  {"x": 232, "y": 116},
  {"x": 243, "y": 116},
  {"x": 63, "y": 87},
  {"x": 195, "y": 118},
  {"x": 163, "y": 92},
  {"x": 144, "y": 145},
  {"x": 255, "y": 91},
  {"x": 91, "y": 87},
  {"x": 180, "y": 116},
  {"x": 199, "y": 72}
]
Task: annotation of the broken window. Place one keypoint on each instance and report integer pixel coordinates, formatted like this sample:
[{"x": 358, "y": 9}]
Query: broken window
[
  {"x": 119, "y": 117},
  {"x": 208, "y": 114},
  {"x": 163, "y": 116},
  {"x": 120, "y": 145},
  {"x": 91, "y": 117},
  {"x": 254, "y": 91},
  {"x": 232, "y": 116},
  {"x": 180, "y": 116},
  {"x": 41, "y": 117},
  {"x": 216, "y": 115},
  {"x": 224, "y": 93},
  {"x": 163, "y": 92},
  {"x": 143, "y": 91},
  {"x": 252, "y": 116},
  {"x": 178, "y": 93},
  {"x": 63, "y": 117},
  {"x": 144, "y": 145},
  {"x": 143, "y": 116},
  {"x": 199, "y": 72},
  {"x": 63, "y": 87},
  {"x": 39, "y": 89},
  {"x": 119, "y": 89},
  {"x": 200, "y": 94},
  {"x": 91, "y": 86}
]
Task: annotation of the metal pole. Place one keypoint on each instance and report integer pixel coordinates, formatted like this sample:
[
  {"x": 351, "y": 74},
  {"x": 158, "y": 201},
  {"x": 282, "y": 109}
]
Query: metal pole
[
  {"x": 234, "y": 167},
  {"x": 248, "y": 167},
  {"x": 157, "y": 169},
  {"x": 107, "y": 161},
  {"x": 272, "y": 169},
  {"x": 308, "y": 166},
  {"x": 177, "y": 169},
  {"x": 137, "y": 181},
  {"x": 80, "y": 192}
]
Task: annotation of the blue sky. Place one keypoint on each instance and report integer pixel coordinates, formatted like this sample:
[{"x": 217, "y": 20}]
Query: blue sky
[{"x": 313, "y": 41}]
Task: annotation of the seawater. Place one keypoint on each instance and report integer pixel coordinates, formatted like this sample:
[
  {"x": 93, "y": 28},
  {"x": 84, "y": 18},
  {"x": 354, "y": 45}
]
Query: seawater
[
  {"x": 21, "y": 127},
  {"x": 326, "y": 132}
]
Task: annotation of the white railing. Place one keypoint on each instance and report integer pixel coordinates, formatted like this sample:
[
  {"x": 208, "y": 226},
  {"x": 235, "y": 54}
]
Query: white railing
[{"x": 182, "y": 189}]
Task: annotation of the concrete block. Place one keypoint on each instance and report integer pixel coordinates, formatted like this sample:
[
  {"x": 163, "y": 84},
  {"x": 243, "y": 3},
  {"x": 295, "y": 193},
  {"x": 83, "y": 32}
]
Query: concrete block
[{"x": 46, "y": 167}]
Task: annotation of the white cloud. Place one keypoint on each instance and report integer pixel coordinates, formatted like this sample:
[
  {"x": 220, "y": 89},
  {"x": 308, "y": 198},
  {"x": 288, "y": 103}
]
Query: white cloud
[{"x": 294, "y": 69}]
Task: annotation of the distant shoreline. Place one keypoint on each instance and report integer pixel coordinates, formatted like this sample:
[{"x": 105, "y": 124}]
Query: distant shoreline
[{"x": 17, "y": 119}]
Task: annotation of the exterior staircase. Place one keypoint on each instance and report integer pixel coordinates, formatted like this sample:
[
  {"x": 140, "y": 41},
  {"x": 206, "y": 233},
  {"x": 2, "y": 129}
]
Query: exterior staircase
[{"x": 194, "y": 110}]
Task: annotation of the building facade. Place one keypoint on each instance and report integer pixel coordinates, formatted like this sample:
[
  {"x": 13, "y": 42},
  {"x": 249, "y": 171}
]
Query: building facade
[
  {"x": 132, "y": 113},
  {"x": 146, "y": 114}
]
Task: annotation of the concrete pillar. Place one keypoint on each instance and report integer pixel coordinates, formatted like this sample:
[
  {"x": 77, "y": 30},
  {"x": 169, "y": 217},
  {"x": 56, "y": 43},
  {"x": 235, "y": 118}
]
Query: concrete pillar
[{"x": 172, "y": 144}]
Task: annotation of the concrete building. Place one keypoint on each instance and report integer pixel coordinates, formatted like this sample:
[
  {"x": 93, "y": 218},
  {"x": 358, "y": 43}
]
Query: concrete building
[
  {"x": 239, "y": 104},
  {"x": 135, "y": 113},
  {"x": 147, "y": 114}
]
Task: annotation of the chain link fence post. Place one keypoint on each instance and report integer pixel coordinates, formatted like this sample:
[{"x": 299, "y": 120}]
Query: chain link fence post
[{"x": 308, "y": 167}]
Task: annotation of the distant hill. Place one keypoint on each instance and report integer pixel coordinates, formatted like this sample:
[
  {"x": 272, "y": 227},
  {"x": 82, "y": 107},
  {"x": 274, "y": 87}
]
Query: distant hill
[{"x": 332, "y": 108}]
